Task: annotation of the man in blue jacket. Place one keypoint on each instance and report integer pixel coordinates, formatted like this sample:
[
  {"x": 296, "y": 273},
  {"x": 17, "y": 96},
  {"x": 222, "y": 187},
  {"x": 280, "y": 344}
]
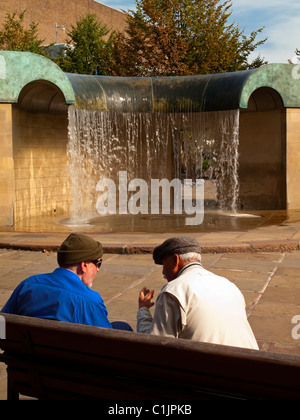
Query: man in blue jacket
[{"x": 66, "y": 295}]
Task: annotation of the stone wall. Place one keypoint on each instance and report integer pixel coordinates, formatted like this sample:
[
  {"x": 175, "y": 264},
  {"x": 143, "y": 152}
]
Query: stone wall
[
  {"x": 293, "y": 157},
  {"x": 262, "y": 173},
  {"x": 6, "y": 167},
  {"x": 63, "y": 12},
  {"x": 40, "y": 163}
]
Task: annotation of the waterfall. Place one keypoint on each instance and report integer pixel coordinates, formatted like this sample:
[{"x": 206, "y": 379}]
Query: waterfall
[
  {"x": 101, "y": 144},
  {"x": 207, "y": 147},
  {"x": 151, "y": 145}
]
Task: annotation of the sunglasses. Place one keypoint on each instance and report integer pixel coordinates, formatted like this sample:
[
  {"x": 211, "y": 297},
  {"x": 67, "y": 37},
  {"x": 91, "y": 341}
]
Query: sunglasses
[{"x": 97, "y": 263}]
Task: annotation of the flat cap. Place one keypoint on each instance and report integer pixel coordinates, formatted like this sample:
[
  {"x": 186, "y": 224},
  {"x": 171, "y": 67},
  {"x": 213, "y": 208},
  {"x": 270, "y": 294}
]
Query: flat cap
[
  {"x": 78, "y": 248},
  {"x": 177, "y": 245}
]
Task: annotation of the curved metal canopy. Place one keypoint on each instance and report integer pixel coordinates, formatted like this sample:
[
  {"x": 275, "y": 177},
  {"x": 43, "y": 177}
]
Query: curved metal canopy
[
  {"x": 35, "y": 82},
  {"x": 203, "y": 93},
  {"x": 151, "y": 94},
  {"x": 38, "y": 85}
]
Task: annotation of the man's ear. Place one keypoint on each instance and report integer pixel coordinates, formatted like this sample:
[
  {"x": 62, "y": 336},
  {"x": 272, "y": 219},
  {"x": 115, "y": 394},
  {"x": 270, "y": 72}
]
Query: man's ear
[
  {"x": 178, "y": 263},
  {"x": 83, "y": 266},
  {"x": 176, "y": 260}
]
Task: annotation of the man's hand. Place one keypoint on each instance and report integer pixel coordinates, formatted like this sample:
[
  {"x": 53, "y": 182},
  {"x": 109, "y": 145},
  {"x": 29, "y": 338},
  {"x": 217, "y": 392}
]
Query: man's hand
[{"x": 145, "y": 297}]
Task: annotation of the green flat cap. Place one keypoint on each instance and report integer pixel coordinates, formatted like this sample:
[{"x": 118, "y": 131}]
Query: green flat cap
[
  {"x": 78, "y": 248},
  {"x": 177, "y": 245}
]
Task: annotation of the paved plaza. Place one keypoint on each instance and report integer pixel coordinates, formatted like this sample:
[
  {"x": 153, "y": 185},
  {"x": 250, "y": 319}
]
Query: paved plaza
[{"x": 263, "y": 262}]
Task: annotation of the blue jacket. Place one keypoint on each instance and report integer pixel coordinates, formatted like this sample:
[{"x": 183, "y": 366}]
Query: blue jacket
[{"x": 61, "y": 296}]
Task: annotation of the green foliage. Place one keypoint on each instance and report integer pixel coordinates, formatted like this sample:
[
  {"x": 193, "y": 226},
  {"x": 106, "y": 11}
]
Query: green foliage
[
  {"x": 14, "y": 37},
  {"x": 87, "y": 51},
  {"x": 180, "y": 37}
]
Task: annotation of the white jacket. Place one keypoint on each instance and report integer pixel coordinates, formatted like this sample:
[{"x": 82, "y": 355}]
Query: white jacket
[{"x": 199, "y": 305}]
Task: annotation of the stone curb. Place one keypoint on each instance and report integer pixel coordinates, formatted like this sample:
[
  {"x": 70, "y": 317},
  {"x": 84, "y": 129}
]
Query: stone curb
[
  {"x": 220, "y": 248},
  {"x": 286, "y": 245}
]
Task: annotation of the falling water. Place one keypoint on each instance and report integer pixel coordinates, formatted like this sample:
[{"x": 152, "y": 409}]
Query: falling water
[
  {"x": 102, "y": 143},
  {"x": 208, "y": 148}
]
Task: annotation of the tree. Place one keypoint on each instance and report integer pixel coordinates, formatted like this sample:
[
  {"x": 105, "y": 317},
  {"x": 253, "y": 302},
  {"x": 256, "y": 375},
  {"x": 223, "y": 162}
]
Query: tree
[
  {"x": 86, "y": 51},
  {"x": 178, "y": 37},
  {"x": 14, "y": 37},
  {"x": 151, "y": 44}
]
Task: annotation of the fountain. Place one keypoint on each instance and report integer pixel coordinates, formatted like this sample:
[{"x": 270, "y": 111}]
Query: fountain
[
  {"x": 101, "y": 144},
  {"x": 63, "y": 133},
  {"x": 150, "y": 128}
]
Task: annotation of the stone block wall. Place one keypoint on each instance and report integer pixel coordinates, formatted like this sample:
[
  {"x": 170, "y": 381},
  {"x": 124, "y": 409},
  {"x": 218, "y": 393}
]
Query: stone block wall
[
  {"x": 6, "y": 167},
  {"x": 293, "y": 157},
  {"x": 262, "y": 172},
  {"x": 40, "y": 164}
]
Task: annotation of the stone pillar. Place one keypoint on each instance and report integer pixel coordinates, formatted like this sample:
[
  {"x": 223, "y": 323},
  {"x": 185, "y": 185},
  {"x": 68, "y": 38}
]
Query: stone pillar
[
  {"x": 262, "y": 155},
  {"x": 7, "y": 182},
  {"x": 293, "y": 158}
]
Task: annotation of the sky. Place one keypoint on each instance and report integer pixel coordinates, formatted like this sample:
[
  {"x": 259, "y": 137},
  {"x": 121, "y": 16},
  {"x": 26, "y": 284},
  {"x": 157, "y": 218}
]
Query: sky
[{"x": 281, "y": 20}]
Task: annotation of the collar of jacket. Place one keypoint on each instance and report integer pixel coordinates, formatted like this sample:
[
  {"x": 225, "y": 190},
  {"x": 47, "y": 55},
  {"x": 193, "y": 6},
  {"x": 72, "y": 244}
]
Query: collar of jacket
[{"x": 189, "y": 266}]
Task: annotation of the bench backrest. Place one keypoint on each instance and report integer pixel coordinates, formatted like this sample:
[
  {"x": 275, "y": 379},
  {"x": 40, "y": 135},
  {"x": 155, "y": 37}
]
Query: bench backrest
[{"x": 50, "y": 359}]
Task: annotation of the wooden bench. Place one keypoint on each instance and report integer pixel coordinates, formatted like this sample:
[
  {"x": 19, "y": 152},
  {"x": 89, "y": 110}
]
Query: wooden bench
[{"x": 55, "y": 360}]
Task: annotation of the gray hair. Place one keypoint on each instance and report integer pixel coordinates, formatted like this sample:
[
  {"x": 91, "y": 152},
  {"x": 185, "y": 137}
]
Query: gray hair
[{"x": 191, "y": 256}]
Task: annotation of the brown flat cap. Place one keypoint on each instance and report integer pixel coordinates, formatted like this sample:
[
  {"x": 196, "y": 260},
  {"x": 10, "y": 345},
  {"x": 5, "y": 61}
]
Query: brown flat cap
[{"x": 177, "y": 245}]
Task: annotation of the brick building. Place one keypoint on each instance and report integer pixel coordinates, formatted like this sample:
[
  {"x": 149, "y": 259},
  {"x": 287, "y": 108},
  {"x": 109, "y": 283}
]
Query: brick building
[{"x": 52, "y": 13}]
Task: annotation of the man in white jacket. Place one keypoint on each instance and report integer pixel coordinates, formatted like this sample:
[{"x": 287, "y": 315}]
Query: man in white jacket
[{"x": 195, "y": 304}]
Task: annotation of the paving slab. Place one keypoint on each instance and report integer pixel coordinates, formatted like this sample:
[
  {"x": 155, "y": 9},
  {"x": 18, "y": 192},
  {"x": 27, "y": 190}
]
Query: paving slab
[{"x": 264, "y": 263}]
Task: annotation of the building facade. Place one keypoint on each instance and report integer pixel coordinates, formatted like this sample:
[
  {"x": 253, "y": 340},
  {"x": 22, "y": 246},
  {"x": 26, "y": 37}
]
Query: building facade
[{"x": 52, "y": 15}]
